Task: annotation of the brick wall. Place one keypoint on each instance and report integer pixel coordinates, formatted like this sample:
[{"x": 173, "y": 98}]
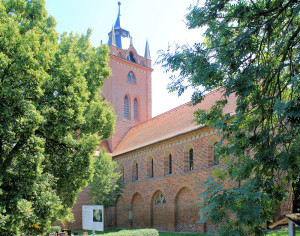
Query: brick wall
[
  {"x": 159, "y": 213},
  {"x": 180, "y": 189},
  {"x": 136, "y": 207},
  {"x": 82, "y": 199},
  {"x": 117, "y": 87}
]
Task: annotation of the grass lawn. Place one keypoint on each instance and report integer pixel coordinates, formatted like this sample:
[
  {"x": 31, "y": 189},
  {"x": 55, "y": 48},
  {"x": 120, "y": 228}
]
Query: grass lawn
[
  {"x": 110, "y": 232},
  {"x": 283, "y": 233}
]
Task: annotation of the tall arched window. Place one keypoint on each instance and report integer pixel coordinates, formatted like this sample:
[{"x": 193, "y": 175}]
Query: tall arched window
[
  {"x": 170, "y": 164},
  {"x": 191, "y": 159},
  {"x": 131, "y": 78},
  {"x": 136, "y": 109},
  {"x": 131, "y": 57},
  {"x": 136, "y": 171},
  {"x": 150, "y": 167},
  {"x": 167, "y": 163},
  {"x": 126, "y": 107}
]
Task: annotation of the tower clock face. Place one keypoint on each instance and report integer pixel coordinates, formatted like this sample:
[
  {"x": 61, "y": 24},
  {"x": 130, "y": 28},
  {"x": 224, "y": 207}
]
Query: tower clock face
[{"x": 124, "y": 34}]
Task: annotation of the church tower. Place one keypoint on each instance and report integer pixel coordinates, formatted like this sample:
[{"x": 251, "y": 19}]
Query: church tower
[{"x": 129, "y": 88}]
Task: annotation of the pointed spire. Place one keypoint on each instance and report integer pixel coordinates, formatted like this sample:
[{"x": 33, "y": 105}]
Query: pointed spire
[
  {"x": 113, "y": 37},
  {"x": 147, "y": 51},
  {"x": 131, "y": 43},
  {"x": 119, "y": 37},
  {"x": 118, "y": 21},
  {"x": 119, "y": 3}
]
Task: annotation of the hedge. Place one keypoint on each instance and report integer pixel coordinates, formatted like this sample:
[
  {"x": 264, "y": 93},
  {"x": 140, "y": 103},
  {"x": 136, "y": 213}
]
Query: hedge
[{"x": 138, "y": 232}]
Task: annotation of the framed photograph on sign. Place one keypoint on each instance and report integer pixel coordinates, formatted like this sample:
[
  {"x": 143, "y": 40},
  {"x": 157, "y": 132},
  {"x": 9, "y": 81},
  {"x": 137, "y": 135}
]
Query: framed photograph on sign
[
  {"x": 93, "y": 217},
  {"x": 97, "y": 215}
]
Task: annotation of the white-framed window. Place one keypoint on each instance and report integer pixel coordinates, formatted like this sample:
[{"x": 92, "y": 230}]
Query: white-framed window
[{"x": 160, "y": 200}]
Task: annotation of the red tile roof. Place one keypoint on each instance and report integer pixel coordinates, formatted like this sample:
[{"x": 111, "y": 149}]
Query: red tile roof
[{"x": 170, "y": 124}]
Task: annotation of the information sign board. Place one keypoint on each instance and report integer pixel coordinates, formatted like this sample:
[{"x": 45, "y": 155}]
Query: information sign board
[{"x": 93, "y": 217}]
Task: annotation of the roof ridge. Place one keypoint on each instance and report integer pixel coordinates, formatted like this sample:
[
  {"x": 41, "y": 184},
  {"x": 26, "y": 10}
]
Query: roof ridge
[
  {"x": 160, "y": 115},
  {"x": 172, "y": 123},
  {"x": 171, "y": 110}
]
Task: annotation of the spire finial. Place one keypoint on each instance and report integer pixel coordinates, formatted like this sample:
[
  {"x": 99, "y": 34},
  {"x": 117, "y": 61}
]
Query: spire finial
[
  {"x": 131, "y": 43},
  {"x": 147, "y": 51},
  {"x": 119, "y": 3}
]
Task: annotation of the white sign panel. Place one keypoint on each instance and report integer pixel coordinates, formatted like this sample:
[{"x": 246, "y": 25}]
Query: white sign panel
[{"x": 93, "y": 217}]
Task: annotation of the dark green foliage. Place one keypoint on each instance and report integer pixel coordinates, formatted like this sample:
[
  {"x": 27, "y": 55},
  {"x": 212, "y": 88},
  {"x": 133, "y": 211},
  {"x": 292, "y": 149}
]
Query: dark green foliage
[
  {"x": 107, "y": 182},
  {"x": 296, "y": 196},
  {"x": 51, "y": 117},
  {"x": 251, "y": 49}
]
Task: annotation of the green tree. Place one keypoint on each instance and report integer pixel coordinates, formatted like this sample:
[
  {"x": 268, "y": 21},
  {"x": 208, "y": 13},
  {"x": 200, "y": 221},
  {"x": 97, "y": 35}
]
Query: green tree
[
  {"x": 250, "y": 49},
  {"x": 107, "y": 182},
  {"x": 51, "y": 116}
]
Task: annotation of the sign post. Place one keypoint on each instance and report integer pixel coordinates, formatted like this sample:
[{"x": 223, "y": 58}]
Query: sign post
[{"x": 93, "y": 218}]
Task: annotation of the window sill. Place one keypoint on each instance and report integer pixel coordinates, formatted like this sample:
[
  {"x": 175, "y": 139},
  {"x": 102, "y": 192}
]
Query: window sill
[
  {"x": 168, "y": 174},
  {"x": 214, "y": 166}
]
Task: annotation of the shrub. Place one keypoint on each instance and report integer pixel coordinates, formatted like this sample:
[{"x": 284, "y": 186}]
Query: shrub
[
  {"x": 54, "y": 228},
  {"x": 139, "y": 232}
]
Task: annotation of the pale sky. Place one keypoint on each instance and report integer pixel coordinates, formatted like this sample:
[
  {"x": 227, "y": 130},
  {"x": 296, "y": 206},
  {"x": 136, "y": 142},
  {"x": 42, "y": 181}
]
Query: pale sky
[{"x": 159, "y": 21}]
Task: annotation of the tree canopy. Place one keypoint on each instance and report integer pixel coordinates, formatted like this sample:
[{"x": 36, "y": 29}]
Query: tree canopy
[
  {"x": 251, "y": 49},
  {"x": 51, "y": 116},
  {"x": 107, "y": 183}
]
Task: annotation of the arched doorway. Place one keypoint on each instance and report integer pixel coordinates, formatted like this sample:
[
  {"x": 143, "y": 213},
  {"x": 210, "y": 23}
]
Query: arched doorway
[
  {"x": 186, "y": 211},
  {"x": 122, "y": 213},
  {"x": 137, "y": 208}
]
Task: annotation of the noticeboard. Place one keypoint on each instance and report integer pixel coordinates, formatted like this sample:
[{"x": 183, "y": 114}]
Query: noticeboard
[{"x": 93, "y": 217}]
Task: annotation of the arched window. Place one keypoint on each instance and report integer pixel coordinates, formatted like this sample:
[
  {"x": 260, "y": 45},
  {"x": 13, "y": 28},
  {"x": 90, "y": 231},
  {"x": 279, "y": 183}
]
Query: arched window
[
  {"x": 170, "y": 164},
  {"x": 215, "y": 157},
  {"x": 136, "y": 171},
  {"x": 191, "y": 159},
  {"x": 167, "y": 163},
  {"x": 150, "y": 167},
  {"x": 131, "y": 78},
  {"x": 126, "y": 107},
  {"x": 131, "y": 57},
  {"x": 160, "y": 200},
  {"x": 136, "y": 109}
]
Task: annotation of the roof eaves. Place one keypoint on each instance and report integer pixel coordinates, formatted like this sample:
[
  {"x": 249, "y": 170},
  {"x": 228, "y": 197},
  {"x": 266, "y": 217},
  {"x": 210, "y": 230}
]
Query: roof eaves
[{"x": 158, "y": 141}]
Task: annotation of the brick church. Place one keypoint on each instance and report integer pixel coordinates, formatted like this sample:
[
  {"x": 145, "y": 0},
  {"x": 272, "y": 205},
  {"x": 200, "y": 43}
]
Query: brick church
[{"x": 163, "y": 159}]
